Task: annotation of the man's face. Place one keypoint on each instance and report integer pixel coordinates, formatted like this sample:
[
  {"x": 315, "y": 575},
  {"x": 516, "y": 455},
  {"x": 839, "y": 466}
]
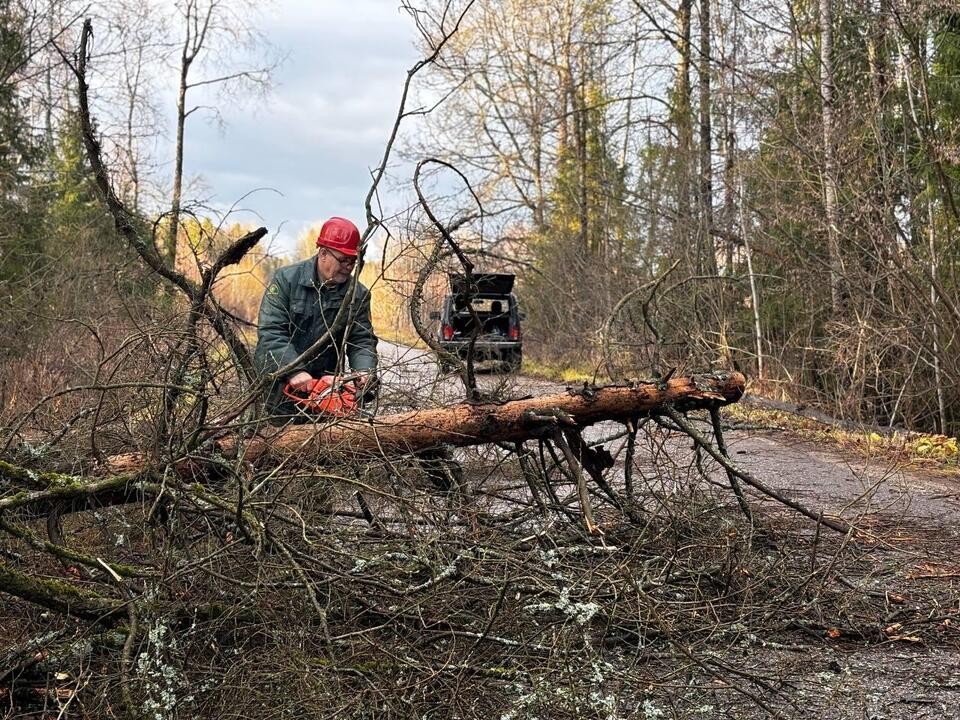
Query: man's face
[{"x": 334, "y": 266}]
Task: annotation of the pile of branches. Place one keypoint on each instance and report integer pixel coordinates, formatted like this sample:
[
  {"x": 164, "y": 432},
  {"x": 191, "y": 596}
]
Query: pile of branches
[{"x": 393, "y": 585}]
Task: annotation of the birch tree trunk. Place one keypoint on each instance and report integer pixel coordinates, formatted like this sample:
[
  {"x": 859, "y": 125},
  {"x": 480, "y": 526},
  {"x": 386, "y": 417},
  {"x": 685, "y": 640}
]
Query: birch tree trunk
[
  {"x": 177, "y": 192},
  {"x": 683, "y": 117},
  {"x": 706, "y": 257},
  {"x": 829, "y": 160}
]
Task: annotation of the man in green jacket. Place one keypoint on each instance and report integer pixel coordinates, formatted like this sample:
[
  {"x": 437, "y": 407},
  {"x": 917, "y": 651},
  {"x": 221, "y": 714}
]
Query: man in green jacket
[{"x": 301, "y": 304}]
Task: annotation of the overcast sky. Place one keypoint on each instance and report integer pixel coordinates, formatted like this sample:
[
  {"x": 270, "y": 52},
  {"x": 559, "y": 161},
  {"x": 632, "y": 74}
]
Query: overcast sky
[{"x": 318, "y": 134}]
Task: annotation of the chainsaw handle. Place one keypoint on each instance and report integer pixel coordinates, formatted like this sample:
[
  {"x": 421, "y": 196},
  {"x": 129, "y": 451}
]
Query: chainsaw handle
[
  {"x": 300, "y": 379},
  {"x": 309, "y": 387},
  {"x": 326, "y": 395},
  {"x": 294, "y": 394},
  {"x": 346, "y": 381}
]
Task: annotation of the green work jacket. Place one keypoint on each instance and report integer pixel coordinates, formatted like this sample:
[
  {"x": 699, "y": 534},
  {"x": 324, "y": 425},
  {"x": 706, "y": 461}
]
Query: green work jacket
[{"x": 296, "y": 310}]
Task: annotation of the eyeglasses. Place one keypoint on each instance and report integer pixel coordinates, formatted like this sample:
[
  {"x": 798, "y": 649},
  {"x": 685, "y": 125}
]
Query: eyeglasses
[{"x": 342, "y": 260}]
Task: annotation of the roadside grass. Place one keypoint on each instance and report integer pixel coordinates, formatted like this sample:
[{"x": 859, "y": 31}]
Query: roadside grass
[
  {"x": 561, "y": 373},
  {"x": 399, "y": 336},
  {"x": 931, "y": 452}
]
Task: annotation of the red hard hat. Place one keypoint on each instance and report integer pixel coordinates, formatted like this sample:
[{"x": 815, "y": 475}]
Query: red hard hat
[{"x": 339, "y": 234}]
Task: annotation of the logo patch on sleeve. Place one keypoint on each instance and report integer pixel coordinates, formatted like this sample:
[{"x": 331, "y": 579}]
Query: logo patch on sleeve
[{"x": 274, "y": 289}]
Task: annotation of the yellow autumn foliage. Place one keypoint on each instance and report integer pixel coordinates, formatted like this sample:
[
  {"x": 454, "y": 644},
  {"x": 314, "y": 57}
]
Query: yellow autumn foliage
[
  {"x": 939, "y": 447},
  {"x": 238, "y": 287}
]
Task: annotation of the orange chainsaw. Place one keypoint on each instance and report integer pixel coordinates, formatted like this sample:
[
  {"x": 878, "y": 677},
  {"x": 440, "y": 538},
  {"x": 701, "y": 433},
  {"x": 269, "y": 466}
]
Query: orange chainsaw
[{"x": 332, "y": 395}]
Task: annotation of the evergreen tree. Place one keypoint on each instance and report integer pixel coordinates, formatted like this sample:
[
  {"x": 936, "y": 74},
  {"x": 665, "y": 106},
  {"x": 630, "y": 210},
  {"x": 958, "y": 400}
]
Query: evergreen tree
[
  {"x": 18, "y": 151},
  {"x": 75, "y": 212}
]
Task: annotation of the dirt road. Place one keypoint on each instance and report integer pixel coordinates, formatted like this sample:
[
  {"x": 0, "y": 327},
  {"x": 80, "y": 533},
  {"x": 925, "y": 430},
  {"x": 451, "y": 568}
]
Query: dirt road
[
  {"x": 834, "y": 481},
  {"x": 908, "y": 546},
  {"x": 817, "y": 475}
]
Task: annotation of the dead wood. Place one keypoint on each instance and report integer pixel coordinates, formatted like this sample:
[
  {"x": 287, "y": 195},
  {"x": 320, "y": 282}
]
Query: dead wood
[{"x": 470, "y": 423}]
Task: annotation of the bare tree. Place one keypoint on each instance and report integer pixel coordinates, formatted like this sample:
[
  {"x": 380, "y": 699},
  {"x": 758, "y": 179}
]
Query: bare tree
[
  {"x": 829, "y": 160},
  {"x": 212, "y": 33},
  {"x": 706, "y": 253},
  {"x": 138, "y": 25}
]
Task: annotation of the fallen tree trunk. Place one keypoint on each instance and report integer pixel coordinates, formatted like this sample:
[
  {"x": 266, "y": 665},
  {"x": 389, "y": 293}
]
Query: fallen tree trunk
[{"x": 473, "y": 423}]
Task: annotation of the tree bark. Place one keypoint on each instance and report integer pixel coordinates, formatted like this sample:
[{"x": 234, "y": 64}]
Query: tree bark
[
  {"x": 683, "y": 112},
  {"x": 829, "y": 160},
  {"x": 706, "y": 255},
  {"x": 177, "y": 193},
  {"x": 470, "y": 423}
]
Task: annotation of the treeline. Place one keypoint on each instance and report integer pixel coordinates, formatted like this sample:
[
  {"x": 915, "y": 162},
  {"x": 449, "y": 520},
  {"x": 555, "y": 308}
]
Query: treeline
[
  {"x": 752, "y": 184},
  {"x": 773, "y": 185},
  {"x": 78, "y": 302},
  {"x": 73, "y": 291}
]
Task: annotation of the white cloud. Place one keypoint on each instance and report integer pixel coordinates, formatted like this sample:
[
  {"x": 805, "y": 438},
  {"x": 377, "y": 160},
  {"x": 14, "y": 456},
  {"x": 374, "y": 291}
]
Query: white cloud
[{"x": 315, "y": 138}]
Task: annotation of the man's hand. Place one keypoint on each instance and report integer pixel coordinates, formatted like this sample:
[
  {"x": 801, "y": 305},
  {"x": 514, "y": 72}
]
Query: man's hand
[
  {"x": 300, "y": 381},
  {"x": 365, "y": 382}
]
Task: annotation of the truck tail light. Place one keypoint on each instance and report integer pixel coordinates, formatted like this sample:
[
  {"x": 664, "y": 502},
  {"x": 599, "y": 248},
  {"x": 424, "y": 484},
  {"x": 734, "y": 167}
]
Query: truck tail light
[
  {"x": 447, "y": 332},
  {"x": 514, "y": 332}
]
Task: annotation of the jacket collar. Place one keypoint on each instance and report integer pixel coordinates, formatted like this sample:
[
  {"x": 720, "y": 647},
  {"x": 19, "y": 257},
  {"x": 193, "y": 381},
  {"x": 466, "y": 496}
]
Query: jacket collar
[
  {"x": 307, "y": 272},
  {"x": 307, "y": 276}
]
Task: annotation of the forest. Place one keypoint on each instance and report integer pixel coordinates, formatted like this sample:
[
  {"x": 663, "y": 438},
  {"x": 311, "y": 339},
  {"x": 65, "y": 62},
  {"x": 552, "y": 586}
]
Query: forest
[{"x": 710, "y": 207}]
